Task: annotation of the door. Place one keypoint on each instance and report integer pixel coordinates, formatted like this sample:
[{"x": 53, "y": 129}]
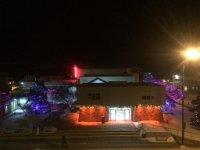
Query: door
[{"x": 119, "y": 113}]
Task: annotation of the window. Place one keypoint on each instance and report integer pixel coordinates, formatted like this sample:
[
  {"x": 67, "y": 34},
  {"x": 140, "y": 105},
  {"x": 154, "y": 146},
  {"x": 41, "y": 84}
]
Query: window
[
  {"x": 97, "y": 96},
  {"x": 147, "y": 97},
  {"x": 94, "y": 96},
  {"x": 143, "y": 97}
]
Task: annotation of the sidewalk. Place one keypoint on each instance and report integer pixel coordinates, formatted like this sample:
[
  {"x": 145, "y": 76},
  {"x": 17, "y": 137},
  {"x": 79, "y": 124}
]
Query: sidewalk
[
  {"x": 175, "y": 125},
  {"x": 111, "y": 125},
  {"x": 181, "y": 148}
]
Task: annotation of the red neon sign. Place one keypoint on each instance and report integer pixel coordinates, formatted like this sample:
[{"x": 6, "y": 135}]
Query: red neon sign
[{"x": 75, "y": 71}]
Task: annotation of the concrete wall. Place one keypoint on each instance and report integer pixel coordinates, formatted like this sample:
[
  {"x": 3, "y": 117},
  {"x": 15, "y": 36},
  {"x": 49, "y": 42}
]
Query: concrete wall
[{"x": 120, "y": 95}]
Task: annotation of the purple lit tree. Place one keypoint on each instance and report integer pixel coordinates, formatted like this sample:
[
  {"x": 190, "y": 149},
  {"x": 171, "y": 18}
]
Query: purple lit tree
[
  {"x": 149, "y": 78},
  {"x": 173, "y": 93},
  {"x": 37, "y": 98},
  {"x": 64, "y": 95}
]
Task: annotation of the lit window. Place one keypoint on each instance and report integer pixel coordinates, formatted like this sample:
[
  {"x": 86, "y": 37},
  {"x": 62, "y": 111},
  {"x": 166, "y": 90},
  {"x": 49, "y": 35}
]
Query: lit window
[{"x": 186, "y": 88}]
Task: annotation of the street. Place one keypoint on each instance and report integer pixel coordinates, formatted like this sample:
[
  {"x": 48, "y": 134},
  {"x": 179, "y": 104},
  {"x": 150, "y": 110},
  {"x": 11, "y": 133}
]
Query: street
[{"x": 82, "y": 140}]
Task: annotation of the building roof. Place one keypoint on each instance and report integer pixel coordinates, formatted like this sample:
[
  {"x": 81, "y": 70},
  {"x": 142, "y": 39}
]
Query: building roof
[
  {"x": 116, "y": 84},
  {"x": 92, "y": 81}
]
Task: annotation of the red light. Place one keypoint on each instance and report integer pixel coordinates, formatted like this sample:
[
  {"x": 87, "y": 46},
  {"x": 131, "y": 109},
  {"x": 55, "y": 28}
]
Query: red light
[
  {"x": 75, "y": 71},
  {"x": 92, "y": 114},
  {"x": 148, "y": 113}
]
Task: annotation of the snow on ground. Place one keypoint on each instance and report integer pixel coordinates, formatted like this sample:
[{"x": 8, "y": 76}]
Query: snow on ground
[
  {"x": 175, "y": 124},
  {"x": 181, "y": 148},
  {"x": 13, "y": 121}
]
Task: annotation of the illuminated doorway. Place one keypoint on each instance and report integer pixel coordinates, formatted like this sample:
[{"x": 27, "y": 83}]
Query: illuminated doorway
[{"x": 116, "y": 113}]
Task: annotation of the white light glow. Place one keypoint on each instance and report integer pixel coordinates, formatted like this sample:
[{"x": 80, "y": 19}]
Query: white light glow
[
  {"x": 22, "y": 101},
  {"x": 98, "y": 81},
  {"x": 6, "y": 109},
  {"x": 185, "y": 88},
  {"x": 119, "y": 114},
  {"x": 177, "y": 77},
  {"x": 192, "y": 54},
  {"x": 19, "y": 111}
]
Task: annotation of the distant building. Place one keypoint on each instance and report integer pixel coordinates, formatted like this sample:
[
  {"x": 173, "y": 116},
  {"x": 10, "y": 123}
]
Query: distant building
[
  {"x": 48, "y": 78},
  {"x": 49, "y": 82},
  {"x": 191, "y": 83}
]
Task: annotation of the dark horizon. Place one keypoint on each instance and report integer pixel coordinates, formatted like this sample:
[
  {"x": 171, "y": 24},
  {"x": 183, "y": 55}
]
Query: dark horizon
[{"x": 47, "y": 37}]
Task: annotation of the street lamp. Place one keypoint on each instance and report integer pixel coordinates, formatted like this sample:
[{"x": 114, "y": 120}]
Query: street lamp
[{"x": 191, "y": 54}]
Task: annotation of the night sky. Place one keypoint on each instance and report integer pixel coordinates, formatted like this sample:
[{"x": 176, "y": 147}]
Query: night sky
[{"x": 48, "y": 36}]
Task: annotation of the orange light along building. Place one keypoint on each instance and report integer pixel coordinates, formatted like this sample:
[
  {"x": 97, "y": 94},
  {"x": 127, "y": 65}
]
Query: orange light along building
[{"x": 113, "y": 102}]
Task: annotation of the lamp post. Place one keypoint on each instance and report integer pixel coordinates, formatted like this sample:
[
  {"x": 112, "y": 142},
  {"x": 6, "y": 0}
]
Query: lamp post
[
  {"x": 182, "y": 105},
  {"x": 190, "y": 54}
]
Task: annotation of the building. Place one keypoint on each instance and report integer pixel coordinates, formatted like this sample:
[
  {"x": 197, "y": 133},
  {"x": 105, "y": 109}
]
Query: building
[
  {"x": 118, "y": 101},
  {"x": 117, "y": 95},
  {"x": 191, "y": 83},
  {"x": 191, "y": 86},
  {"x": 49, "y": 81},
  {"x": 110, "y": 94},
  {"x": 21, "y": 89}
]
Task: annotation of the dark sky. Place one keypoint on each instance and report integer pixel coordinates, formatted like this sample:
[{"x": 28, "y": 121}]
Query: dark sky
[{"x": 48, "y": 36}]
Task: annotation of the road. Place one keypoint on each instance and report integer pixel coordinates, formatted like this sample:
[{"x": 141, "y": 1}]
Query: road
[{"x": 78, "y": 139}]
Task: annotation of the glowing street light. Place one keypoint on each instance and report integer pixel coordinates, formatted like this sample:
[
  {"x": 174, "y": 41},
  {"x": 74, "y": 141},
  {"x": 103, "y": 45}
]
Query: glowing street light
[{"x": 191, "y": 54}]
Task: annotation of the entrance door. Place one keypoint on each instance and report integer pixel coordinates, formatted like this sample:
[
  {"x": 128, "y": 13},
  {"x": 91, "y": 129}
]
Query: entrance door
[
  {"x": 120, "y": 113},
  {"x": 112, "y": 114}
]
